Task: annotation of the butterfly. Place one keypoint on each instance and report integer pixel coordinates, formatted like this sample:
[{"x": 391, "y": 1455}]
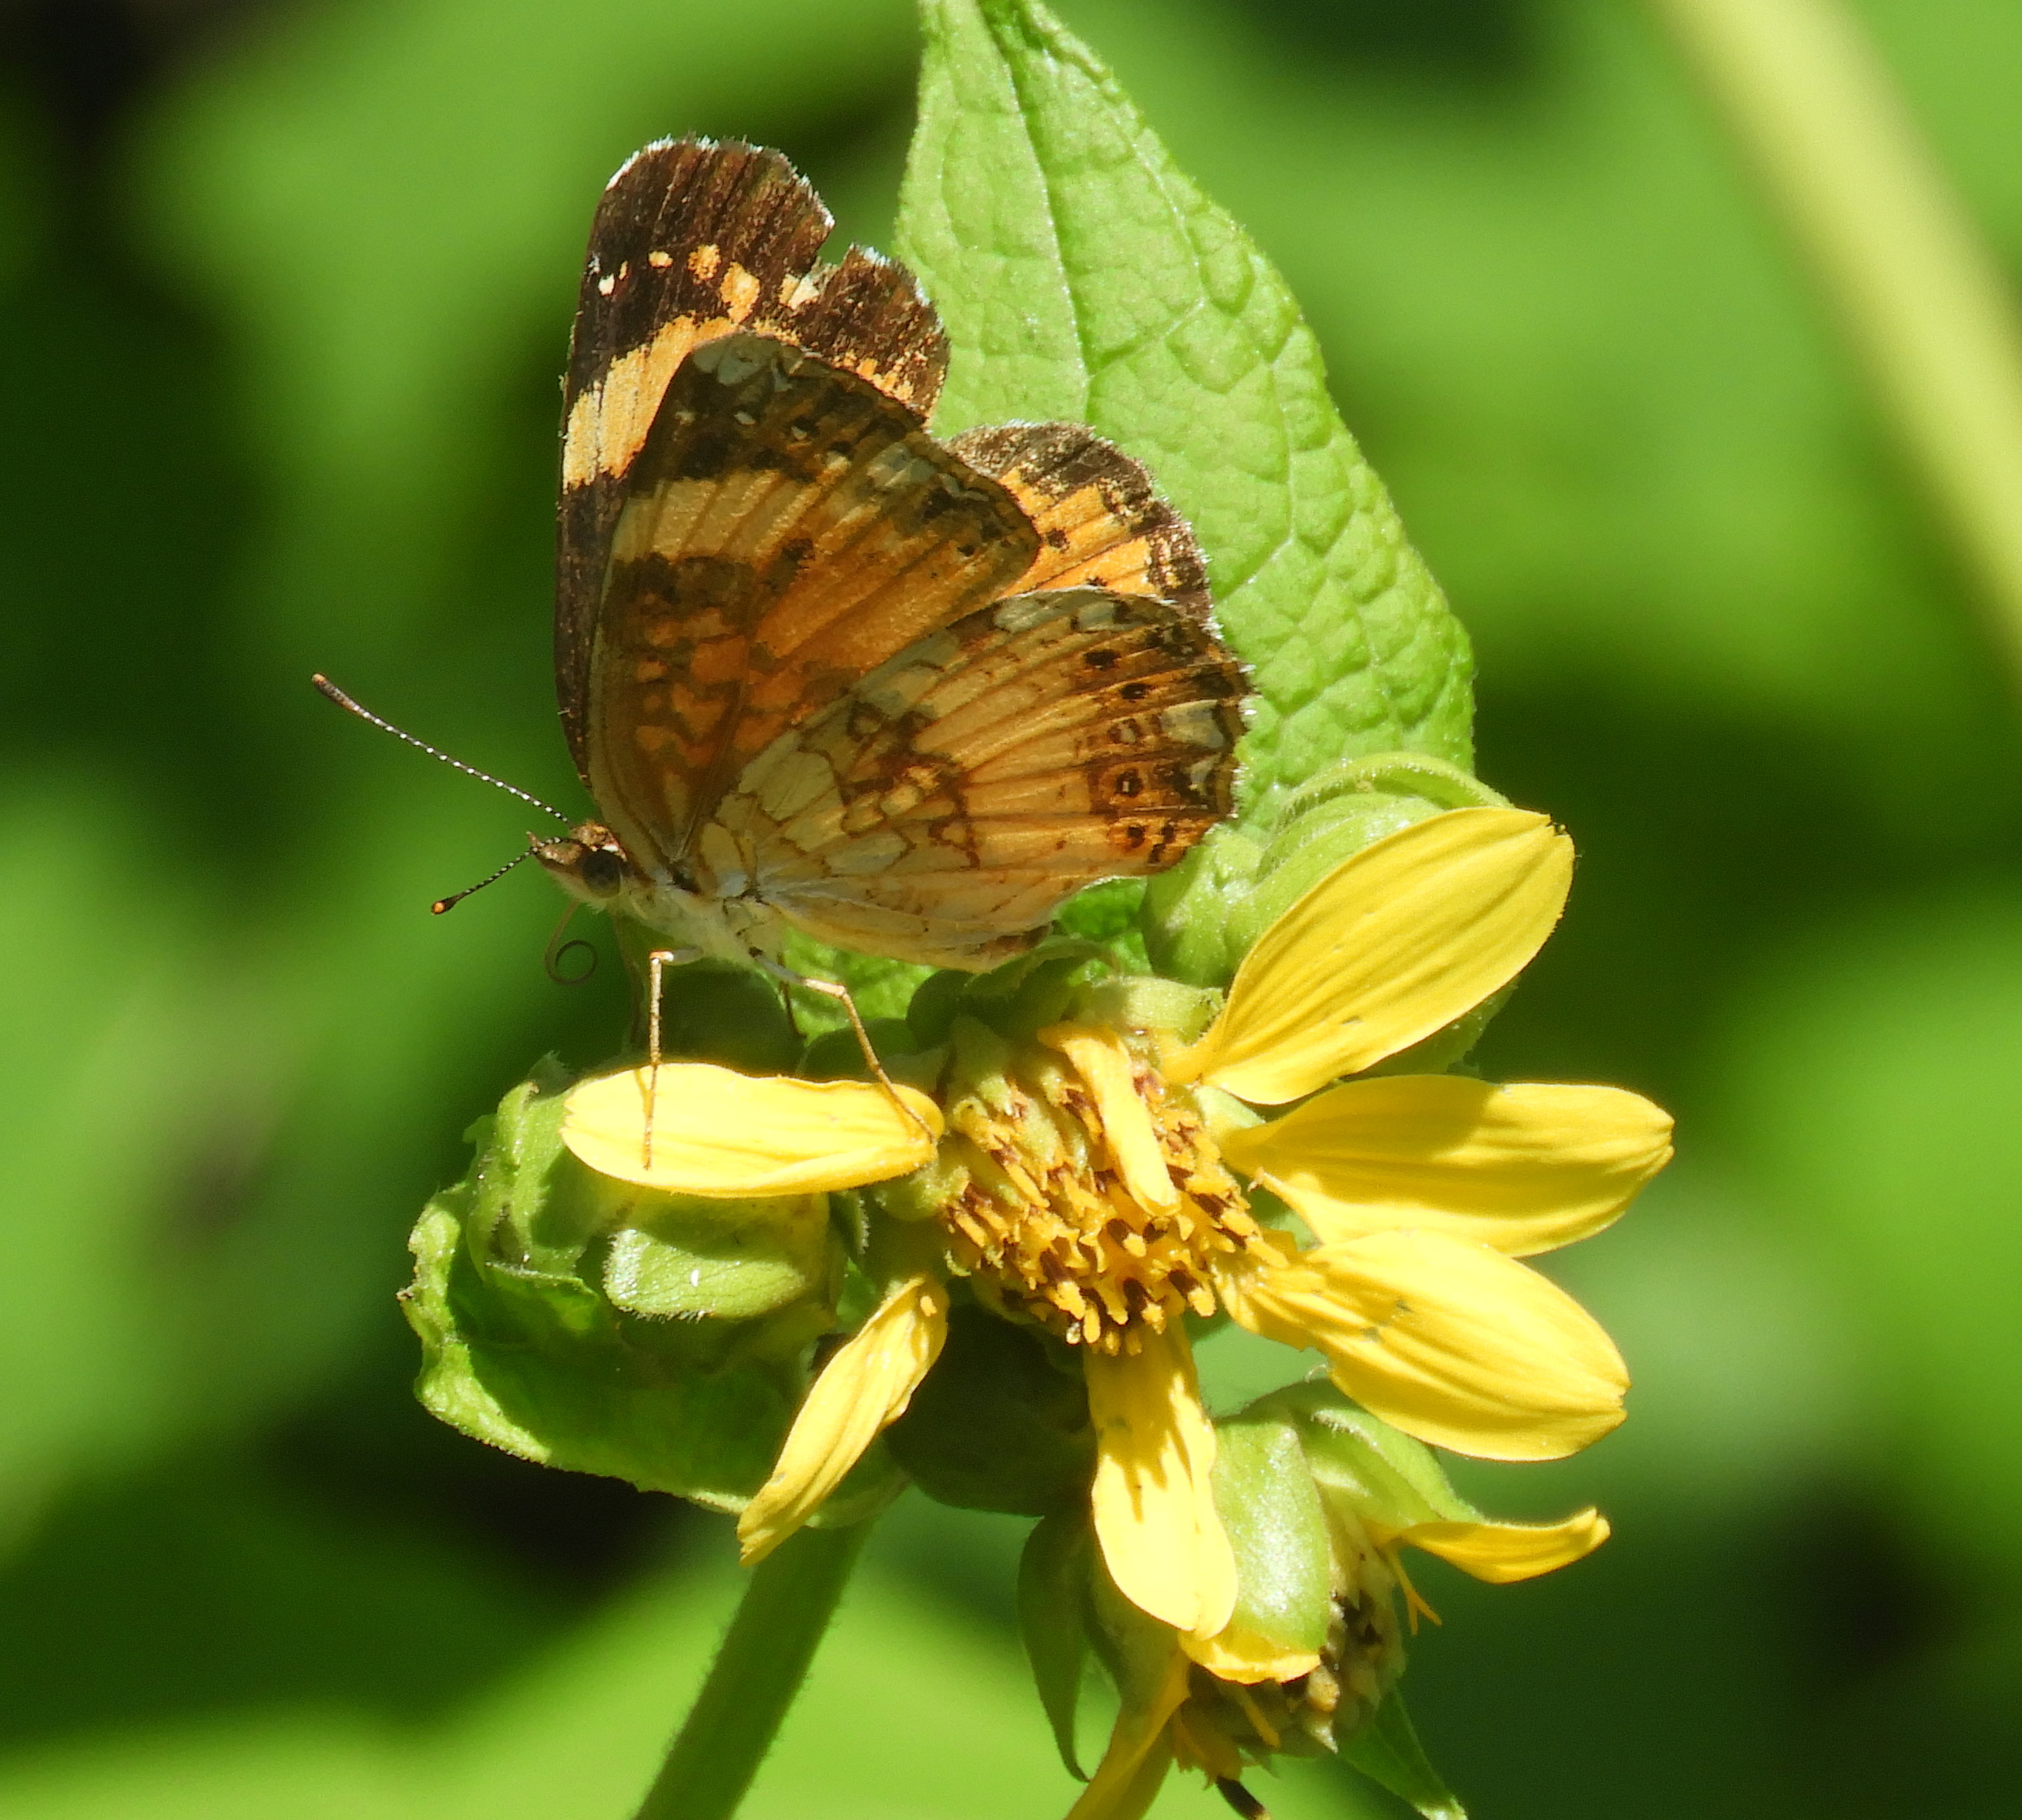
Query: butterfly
[{"x": 817, "y": 670}]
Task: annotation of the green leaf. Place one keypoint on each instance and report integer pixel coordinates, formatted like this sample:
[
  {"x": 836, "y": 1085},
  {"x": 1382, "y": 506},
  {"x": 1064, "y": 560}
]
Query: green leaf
[
  {"x": 1052, "y": 1595},
  {"x": 1082, "y": 276},
  {"x": 1387, "y": 1751}
]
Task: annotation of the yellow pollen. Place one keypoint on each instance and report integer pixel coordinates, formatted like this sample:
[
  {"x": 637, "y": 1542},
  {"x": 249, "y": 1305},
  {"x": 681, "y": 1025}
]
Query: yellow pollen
[{"x": 1095, "y": 1203}]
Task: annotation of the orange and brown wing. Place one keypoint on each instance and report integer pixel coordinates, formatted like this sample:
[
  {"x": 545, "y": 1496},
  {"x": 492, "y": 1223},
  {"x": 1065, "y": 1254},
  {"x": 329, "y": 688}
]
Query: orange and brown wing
[
  {"x": 692, "y": 240},
  {"x": 1100, "y": 521},
  {"x": 942, "y": 809},
  {"x": 787, "y": 528}
]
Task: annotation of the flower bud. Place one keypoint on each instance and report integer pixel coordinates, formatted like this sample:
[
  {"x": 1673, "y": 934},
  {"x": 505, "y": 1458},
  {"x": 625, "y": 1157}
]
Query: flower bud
[
  {"x": 1306, "y": 1662},
  {"x": 1317, "y": 1497},
  {"x": 1205, "y": 914},
  {"x": 588, "y": 1323}
]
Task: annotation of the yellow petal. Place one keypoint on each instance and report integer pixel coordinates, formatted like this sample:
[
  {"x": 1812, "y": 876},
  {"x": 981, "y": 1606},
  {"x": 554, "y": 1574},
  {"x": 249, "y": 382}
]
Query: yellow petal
[
  {"x": 1237, "y": 1655},
  {"x": 1396, "y": 942},
  {"x": 1126, "y": 1781},
  {"x": 1451, "y": 1342},
  {"x": 864, "y": 1387},
  {"x": 1154, "y": 1514},
  {"x": 1522, "y": 1168},
  {"x": 1501, "y": 1552},
  {"x": 716, "y": 1132},
  {"x": 1106, "y": 1068}
]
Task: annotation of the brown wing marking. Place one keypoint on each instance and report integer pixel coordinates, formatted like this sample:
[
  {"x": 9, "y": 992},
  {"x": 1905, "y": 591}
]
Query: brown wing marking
[
  {"x": 1100, "y": 521},
  {"x": 943, "y": 808},
  {"x": 694, "y": 239},
  {"x": 787, "y": 530}
]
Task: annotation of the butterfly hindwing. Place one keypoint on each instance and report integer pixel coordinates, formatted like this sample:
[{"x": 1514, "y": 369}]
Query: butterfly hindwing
[
  {"x": 694, "y": 239},
  {"x": 946, "y": 804},
  {"x": 786, "y": 529}
]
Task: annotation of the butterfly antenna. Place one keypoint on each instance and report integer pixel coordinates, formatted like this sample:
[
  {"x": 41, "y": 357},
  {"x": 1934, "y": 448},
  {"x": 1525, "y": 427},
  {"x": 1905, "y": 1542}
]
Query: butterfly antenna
[
  {"x": 443, "y": 904},
  {"x": 329, "y": 688}
]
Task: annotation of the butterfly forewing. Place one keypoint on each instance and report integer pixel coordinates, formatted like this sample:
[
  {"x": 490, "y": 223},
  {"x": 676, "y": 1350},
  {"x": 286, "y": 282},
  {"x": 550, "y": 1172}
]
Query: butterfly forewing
[
  {"x": 692, "y": 240},
  {"x": 787, "y": 528}
]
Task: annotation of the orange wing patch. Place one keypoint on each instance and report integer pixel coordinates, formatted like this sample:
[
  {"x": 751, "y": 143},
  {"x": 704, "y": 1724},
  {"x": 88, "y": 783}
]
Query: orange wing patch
[{"x": 1101, "y": 523}]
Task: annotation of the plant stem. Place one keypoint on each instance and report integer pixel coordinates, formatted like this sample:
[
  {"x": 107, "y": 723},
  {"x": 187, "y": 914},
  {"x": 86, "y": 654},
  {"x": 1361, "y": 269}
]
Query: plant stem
[
  {"x": 1927, "y": 307},
  {"x": 758, "y": 1669}
]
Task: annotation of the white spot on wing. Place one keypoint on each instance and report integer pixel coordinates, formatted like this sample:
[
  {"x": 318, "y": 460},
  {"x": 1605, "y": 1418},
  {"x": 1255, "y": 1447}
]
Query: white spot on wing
[{"x": 1194, "y": 724}]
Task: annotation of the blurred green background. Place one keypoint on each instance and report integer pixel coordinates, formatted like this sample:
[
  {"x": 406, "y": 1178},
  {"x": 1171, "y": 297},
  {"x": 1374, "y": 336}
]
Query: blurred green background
[{"x": 284, "y": 290}]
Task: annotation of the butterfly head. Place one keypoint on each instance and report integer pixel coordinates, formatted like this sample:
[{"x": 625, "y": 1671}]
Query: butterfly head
[{"x": 588, "y": 862}]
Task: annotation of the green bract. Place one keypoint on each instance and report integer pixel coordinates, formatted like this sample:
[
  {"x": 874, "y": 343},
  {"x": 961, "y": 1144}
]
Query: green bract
[
  {"x": 1363, "y": 1465},
  {"x": 1202, "y": 917},
  {"x": 586, "y": 1324},
  {"x": 1268, "y": 1505},
  {"x": 1000, "y": 1424}
]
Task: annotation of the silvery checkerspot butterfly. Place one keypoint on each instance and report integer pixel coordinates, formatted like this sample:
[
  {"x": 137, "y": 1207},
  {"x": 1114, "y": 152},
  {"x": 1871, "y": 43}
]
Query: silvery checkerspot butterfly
[{"x": 817, "y": 669}]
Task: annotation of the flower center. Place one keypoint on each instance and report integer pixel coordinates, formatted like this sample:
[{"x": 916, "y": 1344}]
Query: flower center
[{"x": 1095, "y": 1200}]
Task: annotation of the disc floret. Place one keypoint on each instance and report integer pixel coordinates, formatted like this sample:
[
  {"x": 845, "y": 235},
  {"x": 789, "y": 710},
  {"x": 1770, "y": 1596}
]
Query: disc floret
[{"x": 1088, "y": 1195}]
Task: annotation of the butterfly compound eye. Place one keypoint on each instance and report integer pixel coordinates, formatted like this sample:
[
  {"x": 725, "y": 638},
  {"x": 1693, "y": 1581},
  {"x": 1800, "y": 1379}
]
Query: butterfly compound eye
[
  {"x": 602, "y": 870},
  {"x": 589, "y": 863}
]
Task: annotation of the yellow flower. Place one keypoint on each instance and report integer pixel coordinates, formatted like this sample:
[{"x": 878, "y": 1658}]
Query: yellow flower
[{"x": 1092, "y": 1183}]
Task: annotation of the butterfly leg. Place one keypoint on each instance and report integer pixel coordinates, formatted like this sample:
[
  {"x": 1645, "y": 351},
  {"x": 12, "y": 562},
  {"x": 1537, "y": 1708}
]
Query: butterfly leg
[
  {"x": 657, "y": 963},
  {"x": 840, "y": 993},
  {"x": 787, "y": 1006}
]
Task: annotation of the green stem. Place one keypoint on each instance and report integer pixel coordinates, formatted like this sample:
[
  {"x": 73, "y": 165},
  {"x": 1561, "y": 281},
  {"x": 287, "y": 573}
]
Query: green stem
[
  {"x": 764, "y": 1658},
  {"x": 1924, "y": 302}
]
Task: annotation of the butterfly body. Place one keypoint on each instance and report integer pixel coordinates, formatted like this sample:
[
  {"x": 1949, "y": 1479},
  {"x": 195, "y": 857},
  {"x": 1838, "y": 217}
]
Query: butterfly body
[{"x": 818, "y": 669}]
